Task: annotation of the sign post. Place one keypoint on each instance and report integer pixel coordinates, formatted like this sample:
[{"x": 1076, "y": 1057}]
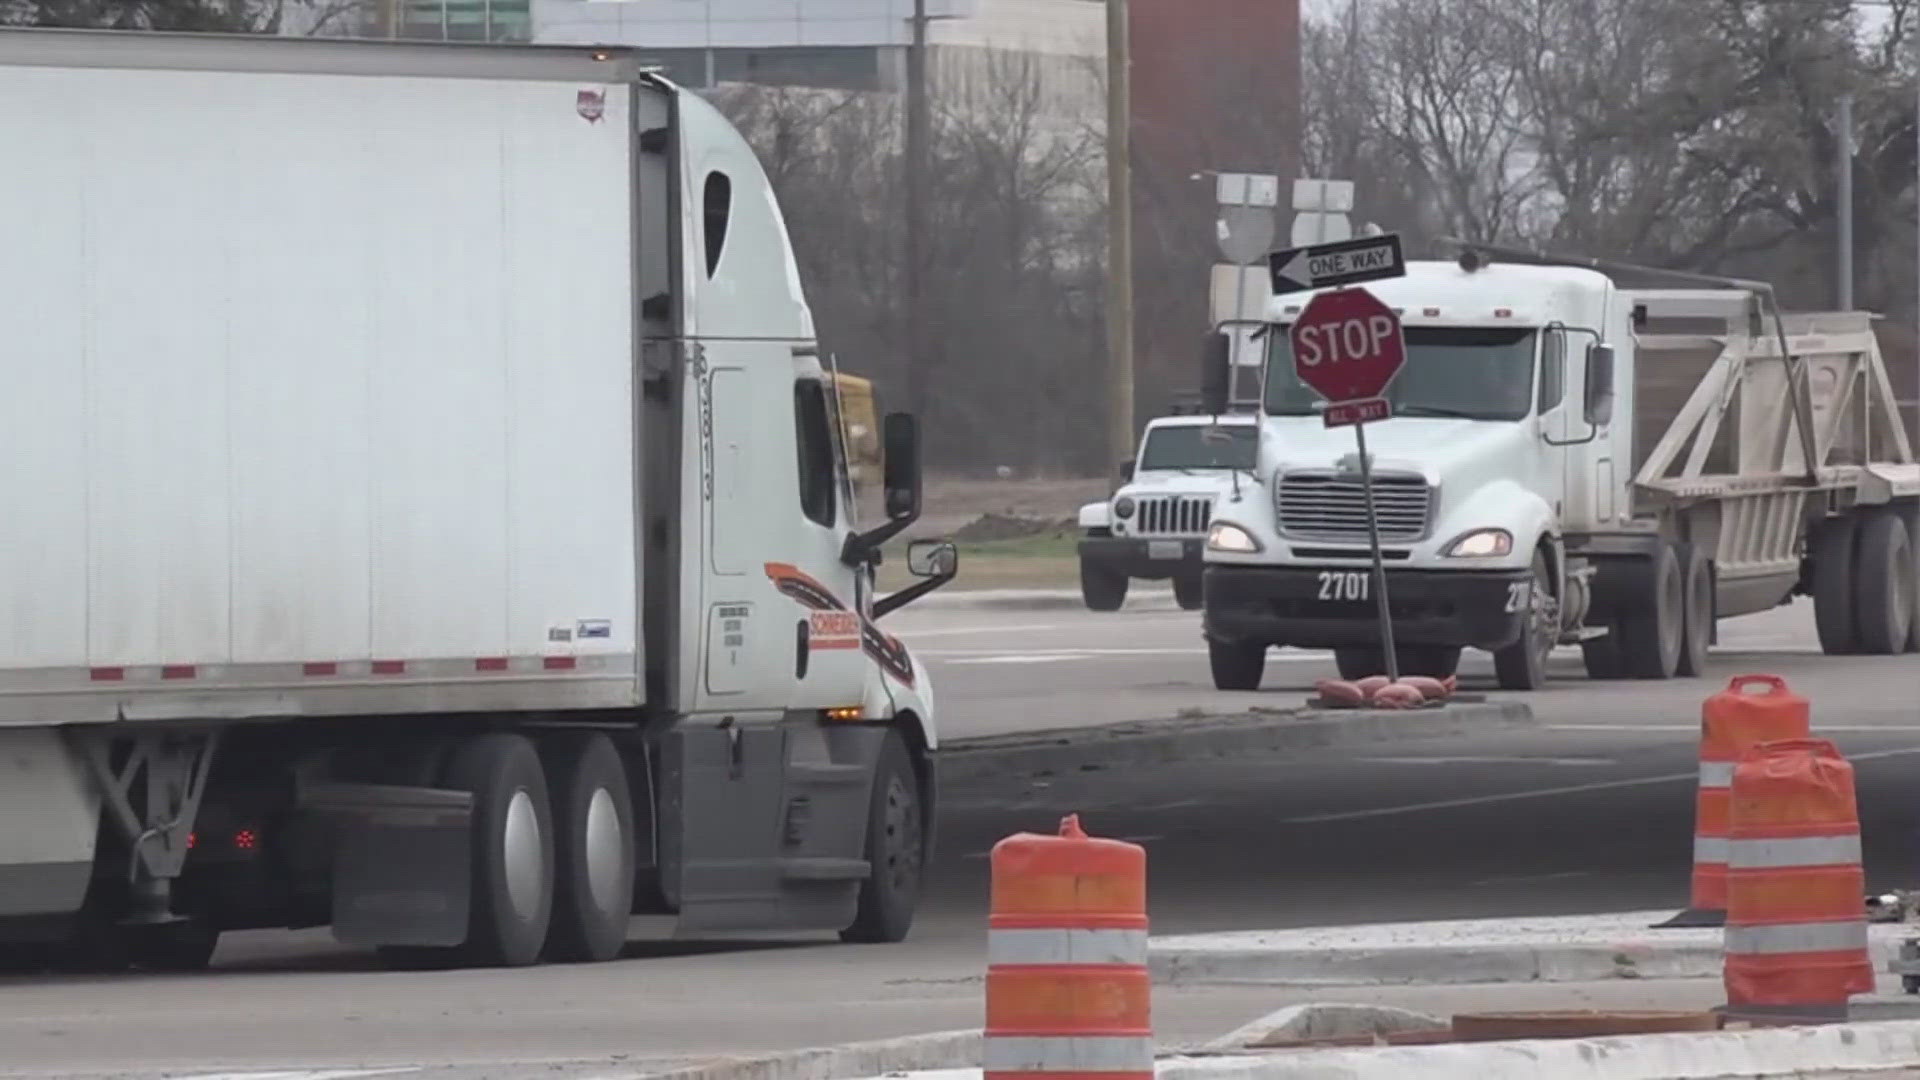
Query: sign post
[{"x": 1348, "y": 346}]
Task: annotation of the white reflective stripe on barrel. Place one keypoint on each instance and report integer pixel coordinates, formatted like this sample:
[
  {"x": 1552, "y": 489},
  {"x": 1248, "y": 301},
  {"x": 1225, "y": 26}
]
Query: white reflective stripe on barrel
[
  {"x": 1794, "y": 851},
  {"x": 1070, "y": 1053},
  {"x": 1716, "y": 774},
  {"x": 1797, "y": 938},
  {"x": 1709, "y": 849},
  {"x": 1066, "y": 946}
]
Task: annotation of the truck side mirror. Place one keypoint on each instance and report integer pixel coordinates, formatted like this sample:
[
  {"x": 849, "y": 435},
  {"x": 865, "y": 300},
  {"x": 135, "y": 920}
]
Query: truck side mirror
[
  {"x": 1126, "y": 470},
  {"x": 901, "y": 434},
  {"x": 1216, "y": 373},
  {"x": 1599, "y": 390}
]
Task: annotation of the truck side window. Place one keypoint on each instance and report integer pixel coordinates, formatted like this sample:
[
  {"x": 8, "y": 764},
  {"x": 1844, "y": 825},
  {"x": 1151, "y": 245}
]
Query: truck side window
[
  {"x": 814, "y": 432},
  {"x": 1553, "y": 370}
]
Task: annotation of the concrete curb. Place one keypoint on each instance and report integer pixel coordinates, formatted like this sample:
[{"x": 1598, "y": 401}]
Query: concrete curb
[
  {"x": 1775, "y": 1053},
  {"x": 937, "y": 1050},
  {"x": 1158, "y": 742},
  {"x": 1560, "y": 949}
]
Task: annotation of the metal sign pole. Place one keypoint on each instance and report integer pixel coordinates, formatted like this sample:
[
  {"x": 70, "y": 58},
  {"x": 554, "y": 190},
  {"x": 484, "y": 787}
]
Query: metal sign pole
[{"x": 1379, "y": 563}]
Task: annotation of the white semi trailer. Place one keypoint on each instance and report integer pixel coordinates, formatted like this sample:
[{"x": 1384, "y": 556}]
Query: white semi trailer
[
  {"x": 1574, "y": 460},
  {"x": 425, "y": 515}
]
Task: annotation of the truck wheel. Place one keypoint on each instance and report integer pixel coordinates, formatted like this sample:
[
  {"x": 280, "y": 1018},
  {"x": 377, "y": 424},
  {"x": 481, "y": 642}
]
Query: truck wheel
[
  {"x": 1833, "y": 591},
  {"x": 1523, "y": 664},
  {"x": 1602, "y": 656},
  {"x": 1102, "y": 589},
  {"x": 1357, "y": 662},
  {"x": 186, "y": 946},
  {"x": 593, "y": 849},
  {"x": 1653, "y": 622},
  {"x": 896, "y": 849},
  {"x": 1237, "y": 665},
  {"x": 1883, "y": 585},
  {"x": 1433, "y": 661},
  {"x": 1188, "y": 590},
  {"x": 1696, "y": 620},
  {"x": 512, "y": 902}
]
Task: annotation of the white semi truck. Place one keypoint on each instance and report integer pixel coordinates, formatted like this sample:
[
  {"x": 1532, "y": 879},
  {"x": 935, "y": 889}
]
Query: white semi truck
[
  {"x": 424, "y": 516},
  {"x": 1571, "y": 460},
  {"x": 1155, "y": 526}
]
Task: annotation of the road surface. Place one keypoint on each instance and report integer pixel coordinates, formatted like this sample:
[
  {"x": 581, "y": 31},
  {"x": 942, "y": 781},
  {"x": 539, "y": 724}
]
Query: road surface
[{"x": 1591, "y": 813}]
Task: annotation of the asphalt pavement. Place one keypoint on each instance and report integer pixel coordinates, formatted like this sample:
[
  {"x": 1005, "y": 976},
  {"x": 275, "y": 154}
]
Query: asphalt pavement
[{"x": 1593, "y": 812}]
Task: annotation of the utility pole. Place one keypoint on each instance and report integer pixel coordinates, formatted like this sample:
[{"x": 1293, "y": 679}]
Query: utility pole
[
  {"x": 917, "y": 169},
  {"x": 1119, "y": 236},
  {"x": 1844, "y": 213}
]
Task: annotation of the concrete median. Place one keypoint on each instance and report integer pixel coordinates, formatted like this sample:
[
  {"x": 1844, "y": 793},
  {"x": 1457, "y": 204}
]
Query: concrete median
[{"x": 1204, "y": 735}]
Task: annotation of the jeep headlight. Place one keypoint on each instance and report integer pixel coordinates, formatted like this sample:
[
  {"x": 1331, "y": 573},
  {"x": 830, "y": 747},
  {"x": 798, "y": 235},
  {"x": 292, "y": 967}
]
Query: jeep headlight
[
  {"x": 1123, "y": 506},
  {"x": 1227, "y": 537},
  {"x": 1481, "y": 544}
]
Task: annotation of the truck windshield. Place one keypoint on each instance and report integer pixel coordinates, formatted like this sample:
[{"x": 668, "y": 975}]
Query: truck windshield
[
  {"x": 1471, "y": 372},
  {"x": 1199, "y": 447}
]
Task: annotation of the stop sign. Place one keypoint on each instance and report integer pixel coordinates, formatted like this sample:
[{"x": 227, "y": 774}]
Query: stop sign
[{"x": 1347, "y": 345}]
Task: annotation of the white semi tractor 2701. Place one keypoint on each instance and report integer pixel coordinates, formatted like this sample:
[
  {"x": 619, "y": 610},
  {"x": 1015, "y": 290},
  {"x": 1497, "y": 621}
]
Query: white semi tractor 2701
[
  {"x": 1574, "y": 461},
  {"x": 425, "y": 515}
]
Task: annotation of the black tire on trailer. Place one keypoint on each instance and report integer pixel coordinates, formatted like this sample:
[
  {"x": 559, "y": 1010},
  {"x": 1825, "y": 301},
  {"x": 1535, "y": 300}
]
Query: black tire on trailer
[
  {"x": 1833, "y": 586},
  {"x": 1696, "y": 618},
  {"x": 1237, "y": 665},
  {"x": 512, "y": 885},
  {"x": 178, "y": 947},
  {"x": 1356, "y": 662},
  {"x": 896, "y": 848},
  {"x": 1101, "y": 588},
  {"x": 1189, "y": 592},
  {"x": 1523, "y": 664},
  {"x": 1651, "y": 627},
  {"x": 593, "y": 844},
  {"x": 1883, "y": 584},
  {"x": 1602, "y": 656}
]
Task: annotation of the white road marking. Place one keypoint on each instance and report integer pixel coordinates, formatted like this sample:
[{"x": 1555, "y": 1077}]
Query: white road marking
[
  {"x": 302, "y": 1074},
  {"x": 1571, "y": 762},
  {"x": 1694, "y": 729},
  {"x": 910, "y": 636},
  {"x": 1519, "y": 878},
  {"x": 1539, "y": 793},
  {"x": 1046, "y": 656}
]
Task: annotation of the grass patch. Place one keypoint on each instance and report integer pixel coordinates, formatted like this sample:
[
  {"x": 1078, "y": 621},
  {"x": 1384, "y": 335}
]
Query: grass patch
[{"x": 1047, "y": 560}]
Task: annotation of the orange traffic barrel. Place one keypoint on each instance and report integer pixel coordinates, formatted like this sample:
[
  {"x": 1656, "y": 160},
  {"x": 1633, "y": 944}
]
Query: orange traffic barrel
[
  {"x": 1753, "y": 709},
  {"x": 1796, "y": 938},
  {"x": 1067, "y": 983}
]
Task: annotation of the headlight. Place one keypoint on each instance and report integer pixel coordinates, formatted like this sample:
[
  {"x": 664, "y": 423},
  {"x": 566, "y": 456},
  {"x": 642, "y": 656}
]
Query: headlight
[
  {"x": 1482, "y": 544},
  {"x": 1123, "y": 506},
  {"x": 1226, "y": 536}
]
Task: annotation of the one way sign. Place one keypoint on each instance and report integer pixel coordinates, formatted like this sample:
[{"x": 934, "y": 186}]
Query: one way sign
[{"x": 1348, "y": 262}]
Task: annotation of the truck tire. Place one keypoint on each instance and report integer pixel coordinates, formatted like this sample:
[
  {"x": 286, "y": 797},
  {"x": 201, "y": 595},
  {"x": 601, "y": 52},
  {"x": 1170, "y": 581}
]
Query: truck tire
[
  {"x": 1433, "y": 661},
  {"x": 593, "y": 848},
  {"x": 1833, "y": 585},
  {"x": 895, "y": 849},
  {"x": 1523, "y": 664},
  {"x": 175, "y": 947},
  {"x": 1189, "y": 592},
  {"x": 1102, "y": 589},
  {"x": 1652, "y": 622},
  {"x": 1696, "y": 620},
  {"x": 1237, "y": 665},
  {"x": 1602, "y": 656},
  {"x": 512, "y": 902},
  {"x": 1883, "y": 584}
]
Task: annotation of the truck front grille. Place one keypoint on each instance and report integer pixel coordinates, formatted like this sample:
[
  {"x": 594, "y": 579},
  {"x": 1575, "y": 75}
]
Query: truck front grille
[
  {"x": 1332, "y": 506},
  {"x": 1174, "y": 515}
]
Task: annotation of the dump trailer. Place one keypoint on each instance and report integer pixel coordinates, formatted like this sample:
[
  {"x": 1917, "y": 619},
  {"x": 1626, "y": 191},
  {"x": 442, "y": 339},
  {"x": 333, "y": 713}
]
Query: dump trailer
[
  {"x": 1574, "y": 460},
  {"x": 424, "y": 516}
]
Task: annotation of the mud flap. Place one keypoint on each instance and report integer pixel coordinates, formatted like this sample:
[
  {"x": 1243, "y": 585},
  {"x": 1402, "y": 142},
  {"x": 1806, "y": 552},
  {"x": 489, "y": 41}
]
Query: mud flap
[
  {"x": 764, "y": 825},
  {"x": 402, "y": 862}
]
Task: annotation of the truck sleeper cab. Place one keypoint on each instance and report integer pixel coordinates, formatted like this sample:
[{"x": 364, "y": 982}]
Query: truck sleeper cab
[{"x": 438, "y": 528}]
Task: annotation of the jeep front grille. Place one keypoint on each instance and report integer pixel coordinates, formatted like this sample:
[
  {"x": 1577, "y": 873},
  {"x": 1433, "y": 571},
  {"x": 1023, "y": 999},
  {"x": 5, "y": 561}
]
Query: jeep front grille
[{"x": 1174, "y": 515}]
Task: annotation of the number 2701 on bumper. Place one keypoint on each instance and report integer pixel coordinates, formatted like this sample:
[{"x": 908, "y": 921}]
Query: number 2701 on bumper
[{"x": 1338, "y": 585}]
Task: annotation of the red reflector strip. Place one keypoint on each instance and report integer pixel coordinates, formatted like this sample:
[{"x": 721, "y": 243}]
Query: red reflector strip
[
  {"x": 320, "y": 669},
  {"x": 389, "y": 667},
  {"x": 490, "y": 663},
  {"x": 108, "y": 674},
  {"x": 177, "y": 671},
  {"x": 558, "y": 663}
]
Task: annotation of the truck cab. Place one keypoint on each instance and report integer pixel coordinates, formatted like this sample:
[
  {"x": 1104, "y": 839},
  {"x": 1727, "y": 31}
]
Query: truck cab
[
  {"x": 1501, "y": 441},
  {"x": 1155, "y": 525}
]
